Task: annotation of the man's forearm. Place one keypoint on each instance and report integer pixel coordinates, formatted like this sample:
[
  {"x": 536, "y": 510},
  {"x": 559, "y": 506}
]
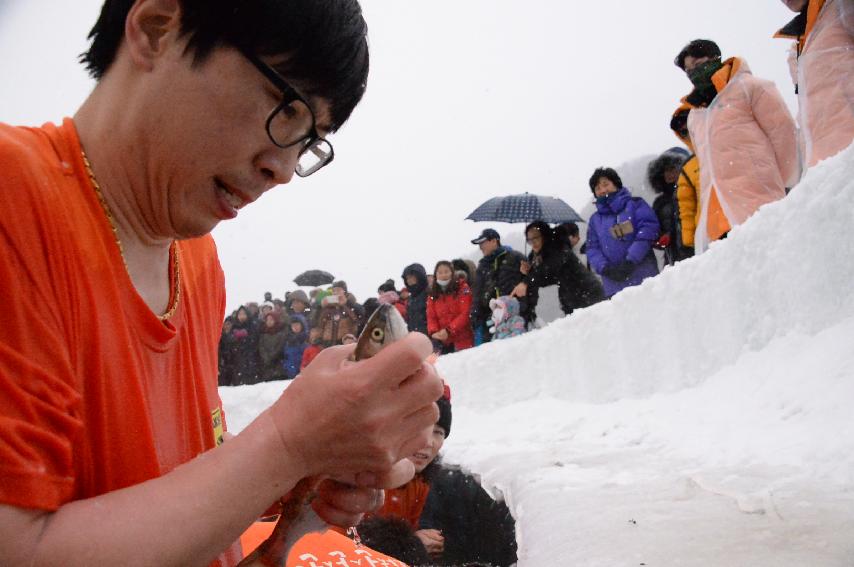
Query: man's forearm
[{"x": 186, "y": 517}]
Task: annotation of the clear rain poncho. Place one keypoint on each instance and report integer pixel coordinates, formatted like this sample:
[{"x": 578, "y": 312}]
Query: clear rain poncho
[
  {"x": 825, "y": 78},
  {"x": 746, "y": 143}
]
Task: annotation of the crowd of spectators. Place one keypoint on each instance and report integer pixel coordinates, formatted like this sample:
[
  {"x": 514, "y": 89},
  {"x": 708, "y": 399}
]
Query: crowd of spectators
[
  {"x": 742, "y": 150},
  {"x": 454, "y": 305}
]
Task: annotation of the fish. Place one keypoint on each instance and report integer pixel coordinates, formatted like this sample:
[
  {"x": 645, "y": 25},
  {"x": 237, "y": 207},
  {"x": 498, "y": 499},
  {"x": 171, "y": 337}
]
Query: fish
[
  {"x": 384, "y": 327},
  {"x": 297, "y": 519}
]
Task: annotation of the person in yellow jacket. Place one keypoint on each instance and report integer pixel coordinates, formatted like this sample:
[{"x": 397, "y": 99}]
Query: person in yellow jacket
[
  {"x": 744, "y": 138},
  {"x": 688, "y": 184},
  {"x": 822, "y": 62}
]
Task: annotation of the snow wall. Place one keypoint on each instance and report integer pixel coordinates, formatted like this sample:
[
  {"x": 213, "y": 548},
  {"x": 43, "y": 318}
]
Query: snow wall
[{"x": 789, "y": 269}]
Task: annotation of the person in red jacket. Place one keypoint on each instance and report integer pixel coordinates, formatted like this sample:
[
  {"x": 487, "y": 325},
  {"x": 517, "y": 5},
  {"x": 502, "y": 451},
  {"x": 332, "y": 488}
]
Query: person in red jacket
[{"x": 448, "y": 306}]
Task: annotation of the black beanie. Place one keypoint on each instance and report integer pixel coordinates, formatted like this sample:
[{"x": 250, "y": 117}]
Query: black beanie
[{"x": 444, "y": 415}]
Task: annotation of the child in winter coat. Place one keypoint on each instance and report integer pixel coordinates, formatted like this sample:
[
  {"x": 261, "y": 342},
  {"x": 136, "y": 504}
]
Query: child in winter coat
[
  {"x": 295, "y": 345},
  {"x": 506, "y": 321},
  {"x": 448, "y": 307}
]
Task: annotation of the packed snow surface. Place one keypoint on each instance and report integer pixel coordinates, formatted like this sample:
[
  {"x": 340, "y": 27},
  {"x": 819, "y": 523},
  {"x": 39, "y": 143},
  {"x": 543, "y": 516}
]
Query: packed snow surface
[{"x": 703, "y": 418}]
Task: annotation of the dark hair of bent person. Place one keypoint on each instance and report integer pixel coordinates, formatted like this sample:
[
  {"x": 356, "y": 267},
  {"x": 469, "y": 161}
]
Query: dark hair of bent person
[
  {"x": 608, "y": 173},
  {"x": 325, "y": 41},
  {"x": 436, "y": 290},
  {"x": 564, "y": 230},
  {"x": 394, "y": 537}
]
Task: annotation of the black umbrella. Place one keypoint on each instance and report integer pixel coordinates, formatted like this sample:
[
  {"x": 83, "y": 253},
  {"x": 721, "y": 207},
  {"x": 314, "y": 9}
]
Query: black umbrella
[
  {"x": 314, "y": 278},
  {"x": 525, "y": 208}
]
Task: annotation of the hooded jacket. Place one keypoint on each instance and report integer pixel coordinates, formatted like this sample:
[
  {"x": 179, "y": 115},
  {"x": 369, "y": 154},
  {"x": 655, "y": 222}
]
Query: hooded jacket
[
  {"x": 299, "y": 295},
  {"x": 605, "y": 249},
  {"x": 745, "y": 141},
  {"x": 295, "y": 344},
  {"x": 505, "y": 321},
  {"x": 227, "y": 355},
  {"x": 823, "y": 71},
  {"x": 416, "y": 307},
  {"x": 665, "y": 204},
  {"x": 270, "y": 345},
  {"x": 245, "y": 336}
]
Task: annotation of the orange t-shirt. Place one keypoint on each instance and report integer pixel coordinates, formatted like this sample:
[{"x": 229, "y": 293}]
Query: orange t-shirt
[
  {"x": 406, "y": 502},
  {"x": 327, "y": 548},
  {"x": 96, "y": 393},
  {"x": 333, "y": 548}
]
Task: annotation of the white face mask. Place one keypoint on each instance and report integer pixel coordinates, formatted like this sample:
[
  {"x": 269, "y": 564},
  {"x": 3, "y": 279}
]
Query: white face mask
[{"x": 443, "y": 283}]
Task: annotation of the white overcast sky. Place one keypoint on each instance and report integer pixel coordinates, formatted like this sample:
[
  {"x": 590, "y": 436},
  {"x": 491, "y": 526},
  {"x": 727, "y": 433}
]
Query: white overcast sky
[{"x": 467, "y": 99}]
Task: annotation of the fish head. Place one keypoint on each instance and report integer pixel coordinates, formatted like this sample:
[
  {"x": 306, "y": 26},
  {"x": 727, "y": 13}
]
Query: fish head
[{"x": 384, "y": 327}]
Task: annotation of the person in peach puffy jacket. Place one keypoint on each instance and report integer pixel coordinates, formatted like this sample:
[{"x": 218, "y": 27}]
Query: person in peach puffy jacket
[
  {"x": 744, "y": 137},
  {"x": 822, "y": 64}
]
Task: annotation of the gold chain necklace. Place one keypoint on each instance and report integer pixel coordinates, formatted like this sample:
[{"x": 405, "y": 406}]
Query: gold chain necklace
[{"x": 173, "y": 248}]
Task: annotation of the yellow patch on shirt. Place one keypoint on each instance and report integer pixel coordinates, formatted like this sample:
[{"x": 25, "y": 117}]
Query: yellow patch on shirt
[{"x": 216, "y": 421}]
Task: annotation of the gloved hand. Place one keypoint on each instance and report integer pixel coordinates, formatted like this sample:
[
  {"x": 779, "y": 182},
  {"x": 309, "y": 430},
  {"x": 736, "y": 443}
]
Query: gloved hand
[
  {"x": 663, "y": 242},
  {"x": 619, "y": 272}
]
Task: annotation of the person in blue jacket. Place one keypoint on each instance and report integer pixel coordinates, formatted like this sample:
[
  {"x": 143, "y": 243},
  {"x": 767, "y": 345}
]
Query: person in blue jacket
[
  {"x": 621, "y": 234},
  {"x": 295, "y": 344}
]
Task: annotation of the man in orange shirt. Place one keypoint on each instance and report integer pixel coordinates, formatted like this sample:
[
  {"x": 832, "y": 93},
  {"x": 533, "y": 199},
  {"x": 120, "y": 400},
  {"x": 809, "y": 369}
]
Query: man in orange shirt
[{"x": 110, "y": 421}]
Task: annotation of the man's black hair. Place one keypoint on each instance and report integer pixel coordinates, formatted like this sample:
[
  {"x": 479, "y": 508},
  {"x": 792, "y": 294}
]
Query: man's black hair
[
  {"x": 565, "y": 230},
  {"x": 324, "y": 41},
  {"x": 607, "y": 173},
  {"x": 696, "y": 49}
]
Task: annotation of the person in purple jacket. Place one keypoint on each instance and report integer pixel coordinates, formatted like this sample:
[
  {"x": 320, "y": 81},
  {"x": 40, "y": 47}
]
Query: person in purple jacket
[{"x": 620, "y": 234}]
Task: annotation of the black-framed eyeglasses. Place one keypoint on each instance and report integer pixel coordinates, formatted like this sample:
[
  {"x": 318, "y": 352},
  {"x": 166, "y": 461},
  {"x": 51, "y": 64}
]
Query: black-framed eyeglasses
[{"x": 287, "y": 127}]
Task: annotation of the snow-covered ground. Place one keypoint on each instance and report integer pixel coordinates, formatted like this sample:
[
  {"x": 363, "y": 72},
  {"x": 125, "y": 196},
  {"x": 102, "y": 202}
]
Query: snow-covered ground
[{"x": 703, "y": 418}]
